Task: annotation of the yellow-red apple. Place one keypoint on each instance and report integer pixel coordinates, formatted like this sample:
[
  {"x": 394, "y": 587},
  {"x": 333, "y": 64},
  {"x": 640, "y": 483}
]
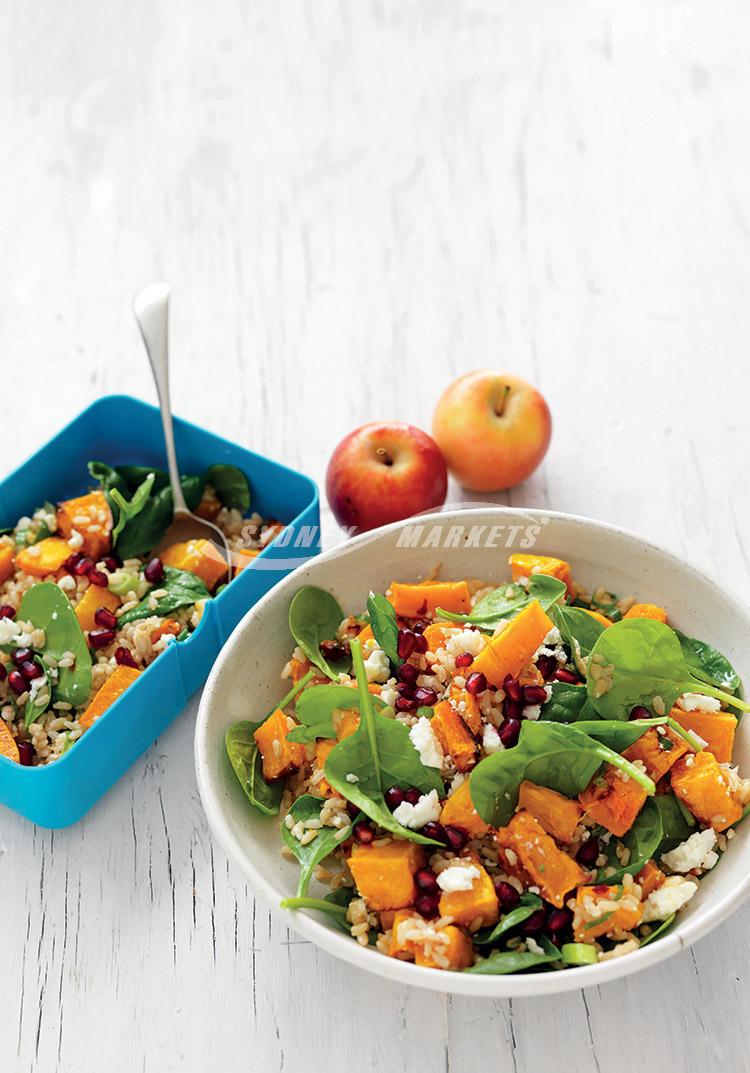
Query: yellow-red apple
[
  {"x": 383, "y": 472},
  {"x": 493, "y": 430}
]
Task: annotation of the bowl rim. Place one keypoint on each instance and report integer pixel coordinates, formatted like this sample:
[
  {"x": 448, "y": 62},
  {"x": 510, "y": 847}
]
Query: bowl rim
[{"x": 682, "y": 935}]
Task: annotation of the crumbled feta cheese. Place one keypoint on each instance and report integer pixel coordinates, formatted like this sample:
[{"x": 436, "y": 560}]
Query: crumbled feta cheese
[
  {"x": 424, "y": 740},
  {"x": 697, "y": 702},
  {"x": 671, "y": 896},
  {"x": 427, "y": 809},
  {"x": 389, "y": 695},
  {"x": 457, "y": 877},
  {"x": 491, "y": 740},
  {"x": 351, "y": 777},
  {"x": 553, "y": 637},
  {"x": 8, "y": 630},
  {"x": 377, "y": 667},
  {"x": 471, "y": 641},
  {"x": 696, "y": 852},
  {"x": 532, "y": 711}
]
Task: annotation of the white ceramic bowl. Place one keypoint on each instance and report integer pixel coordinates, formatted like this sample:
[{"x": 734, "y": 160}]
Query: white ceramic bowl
[{"x": 245, "y": 683}]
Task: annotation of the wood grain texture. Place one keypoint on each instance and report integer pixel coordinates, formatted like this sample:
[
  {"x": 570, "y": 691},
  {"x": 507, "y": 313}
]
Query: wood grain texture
[{"x": 355, "y": 202}]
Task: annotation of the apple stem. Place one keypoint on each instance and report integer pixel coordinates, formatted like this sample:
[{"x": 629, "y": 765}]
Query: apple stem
[
  {"x": 384, "y": 457},
  {"x": 500, "y": 408}
]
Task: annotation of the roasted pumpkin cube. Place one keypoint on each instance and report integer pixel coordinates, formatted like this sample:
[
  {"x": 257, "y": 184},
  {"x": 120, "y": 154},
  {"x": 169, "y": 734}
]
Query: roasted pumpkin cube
[
  {"x": 119, "y": 680},
  {"x": 90, "y": 516},
  {"x": 698, "y": 781},
  {"x": 280, "y": 756},
  {"x": 716, "y": 728},
  {"x": 7, "y": 562},
  {"x": 436, "y": 635},
  {"x": 348, "y": 721},
  {"x": 416, "y": 601},
  {"x": 510, "y": 651},
  {"x": 385, "y": 874},
  {"x": 479, "y": 903},
  {"x": 457, "y": 952},
  {"x": 612, "y": 800},
  {"x": 526, "y": 565},
  {"x": 170, "y": 627},
  {"x": 658, "y": 614},
  {"x": 558, "y": 815},
  {"x": 43, "y": 558},
  {"x": 453, "y": 735},
  {"x": 650, "y": 878},
  {"x": 459, "y": 811},
  {"x": 8, "y": 746},
  {"x": 92, "y": 599},
  {"x": 600, "y": 618},
  {"x": 467, "y": 706},
  {"x": 603, "y": 909},
  {"x": 200, "y": 557},
  {"x": 659, "y": 748},
  {"x": 524, "y": 841}
]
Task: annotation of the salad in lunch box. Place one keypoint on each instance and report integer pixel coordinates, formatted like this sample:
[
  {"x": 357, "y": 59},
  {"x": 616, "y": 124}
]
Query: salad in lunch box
[
  {"x": 498, "y": 779},
  {"x": 85, "y": 606}
]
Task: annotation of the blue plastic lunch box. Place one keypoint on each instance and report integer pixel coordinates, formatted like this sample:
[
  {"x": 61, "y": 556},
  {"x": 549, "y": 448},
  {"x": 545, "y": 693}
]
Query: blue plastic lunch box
[{"x": 119, "y": 429}]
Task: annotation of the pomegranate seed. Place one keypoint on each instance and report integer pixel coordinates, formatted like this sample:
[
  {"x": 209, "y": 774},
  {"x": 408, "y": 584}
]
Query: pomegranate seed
[
  {"x": 512, "y": 688},
  {"x": 25, "y": 753},
  {"x": 561, "y": 675},
  {"x": 464, "y": 660},
  {"x": 534, "y": 695},
  {"x": 420, "y": 643},
  {"x": 427, "y": 696},
  {"x": 333, "y": 651},
  {"x": 31, "y": 670},
  {"x": 559, "y": 920},
  {"x": 104, "y": 617},
  {"x": 427, "y": 904},
  {"x": 457, "y": 837},
  {"x": 588, "y": 853},
  {"x": 406, "y": 642},
  {"x": 83, "y": 566},
  {"x": 507, "y": 895},
  {"x": 601, "y": 888},
  {"x": 101, "y": 638},
  {"x": 408, "y": 673},
  {"x": 124, "y": 658},
  {"x": 154, "y": 571},
  {"x": 512, "y": 709},
  {"x": 20, "y": 655},
  {"x": 426, "y": 880},
  {"x": 535, "y": 923},
  {"x": 72, "y": 562},
  {"x": 412, "y": 795},
  {"x": 420, "y": 626},
  {"x": 546, "y": 665},
  {"x": 406, "y": 704},
  {"x": 436, "y": 831},
  {"x": 111, "y": 563},
  {"x": 509, "y": 732},
  {"x": 98, "y": 577},
  {"x": 476, "y": 683},
  {"x": 363, "y": 832},
  {"x": 3, "y": 672},
  {"x": 6, "y": 611},
  {"x": 17, "y": 683},
  {"x": 639, "y": 712},
  {"x": 406, "y": 689},
  {"x": 394, "y": 796}
]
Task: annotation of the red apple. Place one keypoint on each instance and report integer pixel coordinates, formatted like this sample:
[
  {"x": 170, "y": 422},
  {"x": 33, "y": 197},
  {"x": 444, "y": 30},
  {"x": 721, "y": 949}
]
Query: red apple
[
  {"x": 493, "y": 430},
  {"x": 383, "y": 472}
]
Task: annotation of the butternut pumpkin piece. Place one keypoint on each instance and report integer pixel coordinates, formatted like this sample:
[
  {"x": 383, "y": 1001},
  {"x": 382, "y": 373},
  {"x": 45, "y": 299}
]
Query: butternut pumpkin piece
[
  {"x": 280, "y": 756},
  {"x": 347, "y": 724},
  {"x": 458, "y": 951},
  {"x": 92, "y": 599},
  {"x": 466, "y": 906},
  {"x": 526, "y": 565},
  {"x": 200, "y": 557},
  {"x": 467, "y": 706},
  {"x": 119, "y": 680},
  {"x": 658, "y": 614},
  {"x": 6, "y": 562},
  {"x": 459, "y": 810},
  {"x": 716, "y": 728},
  {"x": 700, "y": 783},
  {"x": 365, "y": 634},
  {"x": 510, "y": 651},
  {"x": 650, "y": 878},
  {"x": 659, "y": 748},
  {"x": 552, "y": 870},
  {"x": 618, "y": 912},
  {"x": 169, "y": 627},
  {"x": 600, "y": 618},
  {"x": 416, "y": 601},
  {"x": 453, "y": 735},
  {"x": 243, "y": 558},
  {"x": 385, "y": 874},
  {"x": 436, "y": 635},
  {"x": 8, "y": 746},
  {"x": 43, "y": 558},
  {"x": 558, "y": 815},
  {"x": 90, "y": 516},
  {"x": 612, "y": 801}
]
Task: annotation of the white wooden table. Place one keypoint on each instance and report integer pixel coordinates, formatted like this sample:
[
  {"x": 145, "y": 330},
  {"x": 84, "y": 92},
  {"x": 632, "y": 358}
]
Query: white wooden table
[{"x": 354, "y": 203}]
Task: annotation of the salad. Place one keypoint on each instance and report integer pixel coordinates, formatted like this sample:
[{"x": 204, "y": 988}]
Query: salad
[
  {"x": 497, "y": 779},
  {"x": 85, "y": 606}
]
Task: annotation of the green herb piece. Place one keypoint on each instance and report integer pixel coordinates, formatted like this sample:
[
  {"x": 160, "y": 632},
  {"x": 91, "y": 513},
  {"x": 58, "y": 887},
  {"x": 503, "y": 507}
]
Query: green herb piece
[
  {"x": 182, "y": 589},
  {"x": 314, "y": 616},
  {"x": 47, "y": 608},
  {"x": 529, "y": 903},
  {"x": 36, "y": 531},
  {"x": 326, "y": 841},
  {"x": 507, "y": 600},
  {"x": 606, "y": 603},
  {"x": 578, "y": 954},
  {"x": 315, "y": 709},
  {"x": 506, "y": 961},
  {"x": 384, "y": 626}
]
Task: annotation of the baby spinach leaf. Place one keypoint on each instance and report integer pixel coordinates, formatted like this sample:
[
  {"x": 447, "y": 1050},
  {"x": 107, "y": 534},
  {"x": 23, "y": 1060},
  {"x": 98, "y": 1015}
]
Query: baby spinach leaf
[
  {"x": 507, "y": 600},
  {"x": 643, "y": 840},
  {"x": 384, "y": 626},
  {"x": 568, "y": 704},
  {"x": 314, "y": 616},
  {"x": 42, "y": 698},
  {"x": 326, "y": 842},
  {"x": 507, "y": 961},
  {"x": 639, "y": 659},
  {"x": 230, "y": 485},
  {"x": 556, "y": 755},
  {"x": 676, "y": 822},
  {"x": 192, "y": 483},
  {"x": 335, "y": 909},
  {"x": 379, "y": 754},
  {"x": 130, "y": 509},
  {"x": 315, "y": 709},
  {"x": 47, "y": 607},
  {"x": 108, "y": 478},
  {"x": 620, "y": 736},
  {"x": 579, "y": 631},
  {"x": 659, "y": 932},
  {"x": 182, "y": 589},
  {"x": 529, "y": 903},
  {"x": 708, "y": 664},
  {"x": 247, "y": 762}
]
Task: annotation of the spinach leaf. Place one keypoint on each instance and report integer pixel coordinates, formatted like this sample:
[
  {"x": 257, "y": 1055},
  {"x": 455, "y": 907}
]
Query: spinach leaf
[
  {"x": 108, "y": 478},
  {"x": 620, "y": 736},
  {"x": 379, "y": 754},
  {"x": 568, "y": 704},
  {"x": 556, "y": 755},
  {"x": 47, "y": 607},
  {"x": 529, "y": 903},
  {"x": 314, "y": 616},
  {"x": 327, "y": 840},
  {"x": 182, "y": 589},
  {"x": 507, "y": 961},
  {"x": 192, "y": 483},
  {"x": 657, "y": 933},
  {"x": 42, "y": 698},
  {"x": 643, "y": 840},
  {"x": 579, "y": 631},
  {"x": 230, "y": 485},
  {"x": 130, "y": 509},
  {"x": 607, "y": 603},
  {"x": 315, "y": 710},
  {"x": 677, "y": 824},
  {"x": 384, "y": 626},
  {"x": 639, "y": 659},
  {"x": 335, "y": 909},
  {"x": 708, "y": 664},
  {"x": 507, "y": 600},
  {"x": 247, "y": 762}
]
